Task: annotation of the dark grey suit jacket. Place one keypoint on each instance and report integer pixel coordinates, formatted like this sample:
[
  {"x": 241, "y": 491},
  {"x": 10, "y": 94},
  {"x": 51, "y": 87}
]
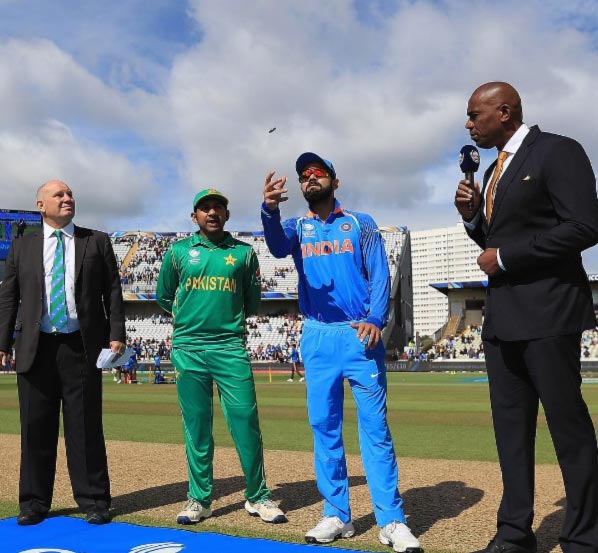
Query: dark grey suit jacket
[
  {"x": 98, "y": 295},
  {"x": 545, "y": 214}
]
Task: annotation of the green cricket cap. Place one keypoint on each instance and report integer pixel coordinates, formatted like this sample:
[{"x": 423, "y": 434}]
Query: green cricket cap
[{"x": 209, "y": 194}]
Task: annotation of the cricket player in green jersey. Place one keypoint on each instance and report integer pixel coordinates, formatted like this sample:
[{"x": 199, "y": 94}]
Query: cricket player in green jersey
[{"x": 210, "y": 284}]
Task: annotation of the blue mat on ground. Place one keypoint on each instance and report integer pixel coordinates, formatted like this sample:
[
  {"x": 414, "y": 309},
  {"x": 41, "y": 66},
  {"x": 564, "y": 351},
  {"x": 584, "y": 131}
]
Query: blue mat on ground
[{"x": 73, "y": 535}]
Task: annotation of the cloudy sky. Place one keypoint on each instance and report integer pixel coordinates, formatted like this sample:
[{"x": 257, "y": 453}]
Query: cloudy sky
[{"x": 138, "y": 104}]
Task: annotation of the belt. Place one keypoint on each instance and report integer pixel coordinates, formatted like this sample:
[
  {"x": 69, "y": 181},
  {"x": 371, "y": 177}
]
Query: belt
[{"x": 60, "y": 335}]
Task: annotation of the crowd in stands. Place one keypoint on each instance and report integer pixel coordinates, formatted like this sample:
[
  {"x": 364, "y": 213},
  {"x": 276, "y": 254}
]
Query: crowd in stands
[
  {"x": 150, "y": 348},
  {"x": 270, "y": 341},
  {"x": 140, "y": 272},
  {"x": 144, "y": 266},
  {"x": 468, "y": 345},
  {"x": 465, "y": 345},
  {"x": 150, "y": 336},
  {"x": 270, "y": 337},
  {"x": 589, "y": 344}
]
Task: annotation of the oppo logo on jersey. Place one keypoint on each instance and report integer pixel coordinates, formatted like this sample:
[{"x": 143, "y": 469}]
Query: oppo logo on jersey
[{"x": 326, "y": 247}]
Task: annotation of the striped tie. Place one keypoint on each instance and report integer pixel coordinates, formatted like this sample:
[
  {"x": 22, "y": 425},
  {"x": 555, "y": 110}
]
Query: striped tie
[{"x": 58, "y": 315}]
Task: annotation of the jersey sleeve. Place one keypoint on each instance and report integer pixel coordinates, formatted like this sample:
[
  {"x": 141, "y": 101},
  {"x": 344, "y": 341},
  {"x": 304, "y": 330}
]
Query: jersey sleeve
[
  {"x": 252, "y": 295},
  {"x": 378, "y": 274},
  {"x": 281, "y": 238},
  {"x": 168, "y": 282}
]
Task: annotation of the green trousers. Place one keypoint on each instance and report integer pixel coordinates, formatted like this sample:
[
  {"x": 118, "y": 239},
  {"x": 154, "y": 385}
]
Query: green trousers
[{"x": 230, "y": 370}]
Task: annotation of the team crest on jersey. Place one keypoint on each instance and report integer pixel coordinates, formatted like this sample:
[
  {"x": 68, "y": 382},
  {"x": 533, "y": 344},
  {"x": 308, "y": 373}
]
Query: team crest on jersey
[
  {"x": 194, "y": 255},
  {"x": 309, "y": 230},
  {"x": 346, "y": 227}
]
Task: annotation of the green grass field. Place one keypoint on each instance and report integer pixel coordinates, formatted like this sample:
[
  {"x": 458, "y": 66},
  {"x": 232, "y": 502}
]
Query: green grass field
[{"x": 438, "y": 416}]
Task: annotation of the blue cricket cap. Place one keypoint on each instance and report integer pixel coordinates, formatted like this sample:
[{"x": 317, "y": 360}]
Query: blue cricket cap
[{"x": 309, "y": 157}]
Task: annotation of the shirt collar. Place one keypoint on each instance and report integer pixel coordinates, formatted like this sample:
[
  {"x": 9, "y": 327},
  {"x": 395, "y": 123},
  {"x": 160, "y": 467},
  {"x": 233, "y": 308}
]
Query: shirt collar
[
  {"x": 68, "y": 230},
  {"x": 338, "y": 210},
  {"x": 199, "y": 240},
  {"x": 516, "y": 140}
]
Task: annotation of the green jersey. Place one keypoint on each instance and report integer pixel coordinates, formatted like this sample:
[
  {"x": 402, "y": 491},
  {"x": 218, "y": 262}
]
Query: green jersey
[{"x": 210, "y": 289}]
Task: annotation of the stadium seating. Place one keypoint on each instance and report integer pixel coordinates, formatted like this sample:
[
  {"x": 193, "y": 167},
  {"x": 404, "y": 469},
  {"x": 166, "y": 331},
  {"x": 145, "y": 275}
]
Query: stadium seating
[
  {"x": 140, "y": 255},
  {"x": 139, "y": 271},
  {"x": 467, "y": 344}
]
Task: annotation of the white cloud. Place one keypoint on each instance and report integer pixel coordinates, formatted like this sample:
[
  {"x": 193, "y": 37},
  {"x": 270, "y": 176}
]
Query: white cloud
[
  {"x": 384, "y": 99},
  {"x": 106, "y": 185}
]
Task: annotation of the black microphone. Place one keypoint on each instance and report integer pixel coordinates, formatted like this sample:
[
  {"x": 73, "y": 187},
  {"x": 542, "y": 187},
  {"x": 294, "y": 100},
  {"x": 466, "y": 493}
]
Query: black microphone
[{"x": 469, "y": 161}]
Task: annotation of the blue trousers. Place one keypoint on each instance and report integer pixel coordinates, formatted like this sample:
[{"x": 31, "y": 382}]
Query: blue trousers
[{"x": 332, "y": 352}]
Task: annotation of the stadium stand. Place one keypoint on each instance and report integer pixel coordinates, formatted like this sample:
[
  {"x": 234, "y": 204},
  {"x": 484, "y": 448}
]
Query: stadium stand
[
  {"x": 467, "y": 344},
  {"x": 269, "y": 336},
  {"x": 141, "y": 253}
]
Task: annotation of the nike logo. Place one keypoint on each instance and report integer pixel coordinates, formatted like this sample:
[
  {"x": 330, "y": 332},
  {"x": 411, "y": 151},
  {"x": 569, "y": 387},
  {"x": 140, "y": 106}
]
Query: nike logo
[{"x": 374, "y": 375}]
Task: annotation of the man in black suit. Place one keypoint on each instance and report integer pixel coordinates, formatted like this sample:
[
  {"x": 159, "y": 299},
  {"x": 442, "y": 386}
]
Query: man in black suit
[
  {"x": 61, "y": 296},
  {"x": 537, "y": 212}
]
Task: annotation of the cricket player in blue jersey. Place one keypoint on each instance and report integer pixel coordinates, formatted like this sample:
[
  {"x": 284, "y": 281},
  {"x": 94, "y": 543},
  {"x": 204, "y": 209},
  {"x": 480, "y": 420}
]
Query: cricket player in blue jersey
[{"x": 344, "y": 293}]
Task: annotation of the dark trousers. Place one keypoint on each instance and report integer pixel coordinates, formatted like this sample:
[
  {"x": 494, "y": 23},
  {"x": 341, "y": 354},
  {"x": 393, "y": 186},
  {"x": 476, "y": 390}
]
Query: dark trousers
[
  {"x": 61, "y": 375},
  {"x": 522, "y": 374}
]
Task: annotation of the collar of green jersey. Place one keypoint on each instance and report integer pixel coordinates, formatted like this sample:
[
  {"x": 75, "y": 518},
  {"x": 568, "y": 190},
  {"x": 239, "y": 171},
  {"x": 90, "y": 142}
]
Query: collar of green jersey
[{"x": 226, "y": 242}]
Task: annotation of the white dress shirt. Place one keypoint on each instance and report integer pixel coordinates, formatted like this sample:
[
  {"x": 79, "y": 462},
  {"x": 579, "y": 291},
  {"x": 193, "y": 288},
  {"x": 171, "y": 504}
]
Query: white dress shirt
[
  {"x": 511, "y": 148},
  {"x": 68, "y": 240}
]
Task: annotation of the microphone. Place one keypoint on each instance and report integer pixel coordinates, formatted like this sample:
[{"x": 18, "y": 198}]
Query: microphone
[{"x": 469, "y": 161}]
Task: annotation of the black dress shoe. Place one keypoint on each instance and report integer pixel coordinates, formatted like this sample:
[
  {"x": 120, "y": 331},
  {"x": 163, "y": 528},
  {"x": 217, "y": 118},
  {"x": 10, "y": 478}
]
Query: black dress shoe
[
  {"x": 498, "y": 546},
  {"x": 30, "y": 518},
  {"x": 98, "y": 516}
]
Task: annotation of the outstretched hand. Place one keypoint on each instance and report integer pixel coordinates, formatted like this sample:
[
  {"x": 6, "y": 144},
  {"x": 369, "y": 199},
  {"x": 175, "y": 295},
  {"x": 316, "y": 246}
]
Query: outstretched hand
[{"x": 274, "y": 191}]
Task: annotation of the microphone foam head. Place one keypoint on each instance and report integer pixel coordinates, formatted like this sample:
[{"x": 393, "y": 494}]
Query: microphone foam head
[{"x": 469, "y": 159}]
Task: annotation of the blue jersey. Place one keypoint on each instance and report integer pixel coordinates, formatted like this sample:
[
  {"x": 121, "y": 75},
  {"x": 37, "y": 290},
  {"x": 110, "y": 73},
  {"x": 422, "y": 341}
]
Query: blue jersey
[
  {"x": 131, "y": 362},
  {"x": 294, "y": 356},
  {"x": 341, "y": 264}
]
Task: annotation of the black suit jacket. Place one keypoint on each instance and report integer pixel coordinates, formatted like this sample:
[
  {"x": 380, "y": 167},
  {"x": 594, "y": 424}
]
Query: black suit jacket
[
  {"x": 545, "y": 214},
  {"x": 98, "y": 295}
]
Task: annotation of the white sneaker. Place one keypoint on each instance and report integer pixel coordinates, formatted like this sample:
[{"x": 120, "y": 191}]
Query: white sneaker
[
  {"x": 193, "y": 512},
  {"x": 400, "y": 537},
  {"x": 289, "y": 380},
  {"x": 301, "y": 379},
  {"x": 328, "y": 529},
  {"x": 267, "y": 510}
]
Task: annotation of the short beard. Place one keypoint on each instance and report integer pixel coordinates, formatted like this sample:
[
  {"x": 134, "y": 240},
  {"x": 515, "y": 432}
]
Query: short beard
[{"x": 317, "y": 195}]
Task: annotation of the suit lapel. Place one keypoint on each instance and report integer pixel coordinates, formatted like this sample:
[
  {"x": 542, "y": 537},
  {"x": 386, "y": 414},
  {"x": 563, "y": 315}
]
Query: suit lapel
[
  {"x": 507, "y": 178},
  {"x": 37, "y": 257},
  {"x": 487, "y": 176},
  {"x": 80, "y": 246}
]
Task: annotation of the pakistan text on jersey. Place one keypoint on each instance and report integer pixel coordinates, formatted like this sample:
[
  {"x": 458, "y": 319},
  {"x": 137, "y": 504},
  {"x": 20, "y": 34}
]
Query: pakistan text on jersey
[
  {"x": 326, "y": 247},
  {"x": 211, "y": 283}
]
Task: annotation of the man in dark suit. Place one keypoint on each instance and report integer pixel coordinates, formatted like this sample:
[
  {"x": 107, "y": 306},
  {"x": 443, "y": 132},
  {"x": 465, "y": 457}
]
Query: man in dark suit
[
  {"x": 537, "y": 212},
  {"x": 62, "y": 298}
]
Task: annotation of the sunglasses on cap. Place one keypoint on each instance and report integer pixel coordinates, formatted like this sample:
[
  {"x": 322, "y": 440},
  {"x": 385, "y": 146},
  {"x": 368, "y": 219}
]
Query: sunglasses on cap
[{"x": 315, "y": 171}]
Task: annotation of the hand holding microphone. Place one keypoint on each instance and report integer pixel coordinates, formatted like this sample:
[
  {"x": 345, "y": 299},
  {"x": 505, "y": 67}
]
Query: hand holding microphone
[{"x": 467, "y": 197}]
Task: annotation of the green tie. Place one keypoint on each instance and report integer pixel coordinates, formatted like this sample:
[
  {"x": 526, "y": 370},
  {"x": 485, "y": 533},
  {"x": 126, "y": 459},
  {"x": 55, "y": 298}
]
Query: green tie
[{"x": 58, "y": 315}]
